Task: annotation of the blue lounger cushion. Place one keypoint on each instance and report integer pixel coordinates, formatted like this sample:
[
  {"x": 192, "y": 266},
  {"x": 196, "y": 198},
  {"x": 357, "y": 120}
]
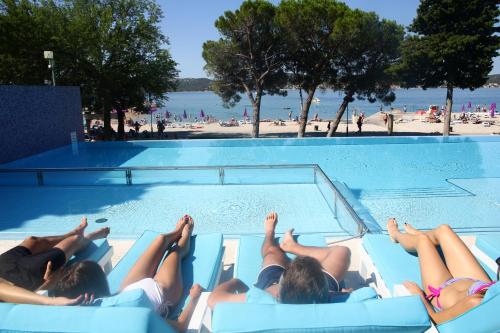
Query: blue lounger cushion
[
  {"x": 394, "y": 264},
  {"x": 402, "y": 314},
  {"x": 130, "y": 298},
  {"x": 77, "y": 319},
  {"x": 95, "y": 251},
  {"x": 200, "y": 266},
  {"x": 489, "y": 244},
  {"x": 249, "y": 259}
]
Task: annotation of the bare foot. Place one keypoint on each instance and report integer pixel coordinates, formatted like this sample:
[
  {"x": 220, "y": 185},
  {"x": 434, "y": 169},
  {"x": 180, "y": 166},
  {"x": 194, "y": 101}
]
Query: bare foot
[
  {"x": 411, "y": 230},
  {"x": 98, "y": 234},
  {"x": 392, "y": 228},
  {"x": 184, "y": 243},
  {"x": 288, "y": 241},
  {"x": 270, "y": 223},
  {"x": 180, "y": 225},
  {"x": 81, "y": 227}
]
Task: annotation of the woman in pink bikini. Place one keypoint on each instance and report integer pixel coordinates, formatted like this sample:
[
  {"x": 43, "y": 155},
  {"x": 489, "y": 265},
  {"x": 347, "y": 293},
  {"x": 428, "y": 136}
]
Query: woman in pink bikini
[{"x": 451, "y": 288}]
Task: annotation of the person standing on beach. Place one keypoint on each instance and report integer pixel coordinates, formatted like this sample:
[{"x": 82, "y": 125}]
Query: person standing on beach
[
  {"x": 360, "y": 123},
  {"x": 290, "y": 116},
  {"x": 404, "y": 108}
]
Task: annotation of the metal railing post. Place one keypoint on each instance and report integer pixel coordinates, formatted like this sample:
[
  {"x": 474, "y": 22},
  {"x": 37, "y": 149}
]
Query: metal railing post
[
  {"x": 128, "y": 176},
  {"x": 39, "y": 178},
  {"x": 221, "y": 176}
]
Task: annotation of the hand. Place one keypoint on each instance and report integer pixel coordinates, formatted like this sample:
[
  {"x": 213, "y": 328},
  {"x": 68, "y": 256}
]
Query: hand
[
  {"x": 50, "y": 277},
  {"x": 413, "y": 288},
  {"x": 346, "y": 290},
  {"x": 195, "y": 291},
  {"x": 65, "y": 301}
]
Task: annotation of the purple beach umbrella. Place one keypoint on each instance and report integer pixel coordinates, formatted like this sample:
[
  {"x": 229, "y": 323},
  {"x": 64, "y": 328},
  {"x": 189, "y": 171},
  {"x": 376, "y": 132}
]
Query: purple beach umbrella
[
  {"x": 463, "y": 108},
  {"x": 469, "y": 105},
  {"x": 245, "y": 114},
  {"x": 202, "y": 114},
  {"x": 492, "y": 109}
]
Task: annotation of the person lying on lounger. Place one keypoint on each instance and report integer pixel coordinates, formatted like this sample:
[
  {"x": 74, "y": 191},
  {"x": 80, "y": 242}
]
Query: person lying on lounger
[
  {"x": 38, "y": 262},
  {"x": 452, "y": 286},
  {"x": 312, "y": 277},
  {"x": 83, "y": 282}
]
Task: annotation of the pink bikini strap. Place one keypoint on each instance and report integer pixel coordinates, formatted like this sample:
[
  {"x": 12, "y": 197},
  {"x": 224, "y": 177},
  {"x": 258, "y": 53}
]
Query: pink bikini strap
[{"x": 434, "y": 293}]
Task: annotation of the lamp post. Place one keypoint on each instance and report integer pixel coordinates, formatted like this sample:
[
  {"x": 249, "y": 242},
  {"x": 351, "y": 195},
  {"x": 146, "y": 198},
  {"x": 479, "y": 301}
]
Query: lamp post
[{"x": 49, "y": 55}]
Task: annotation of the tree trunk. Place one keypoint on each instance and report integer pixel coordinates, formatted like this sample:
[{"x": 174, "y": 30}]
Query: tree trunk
[
  {"x": 305, "y": 111},
  {"x": 340, "y": 113},
  {"x": 256, "y": 114},
  {"x": 107, "y": 121},
  {"x": 121, "y": 124},
  {"x": 449, "y": 105}
]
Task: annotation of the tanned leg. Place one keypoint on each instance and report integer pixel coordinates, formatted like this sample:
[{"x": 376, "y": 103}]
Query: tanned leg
[
  {"x": 42, "y": 244},
  {"x": 271, "y": 251},
  {"x": 149, "y": 261},
  {"x": 459, "y": 259},
  {"x": 432, "y": 268},
  {"x": 169, "y": 276}
]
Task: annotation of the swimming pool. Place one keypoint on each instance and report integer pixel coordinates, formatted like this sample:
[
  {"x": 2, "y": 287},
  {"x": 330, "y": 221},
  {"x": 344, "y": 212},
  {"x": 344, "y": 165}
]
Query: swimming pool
[{"x": 422, "y": 180}]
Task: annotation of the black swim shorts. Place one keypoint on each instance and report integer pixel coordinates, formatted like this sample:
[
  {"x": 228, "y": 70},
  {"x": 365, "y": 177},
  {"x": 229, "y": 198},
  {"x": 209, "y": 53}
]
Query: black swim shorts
[
  {"x": 270, "y": 275},
  {"x": 26, "y": 270}
]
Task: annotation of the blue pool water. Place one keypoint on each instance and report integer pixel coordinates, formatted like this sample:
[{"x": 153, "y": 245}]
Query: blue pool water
[{"x": 421, "y": 180}]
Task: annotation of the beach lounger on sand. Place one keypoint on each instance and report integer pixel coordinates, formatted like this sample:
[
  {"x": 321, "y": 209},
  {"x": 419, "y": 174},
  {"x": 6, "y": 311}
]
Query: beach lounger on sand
[
  {"x": 395, "y": 266},
  {"x": 361, "y": 312}
]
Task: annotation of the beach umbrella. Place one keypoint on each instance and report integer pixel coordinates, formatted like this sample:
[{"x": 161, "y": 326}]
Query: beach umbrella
[
  {"x": 184, "y": 115},
  {"x": 463, "y": 108},
  {"x": 469, "y": 105},
  {"x": 202, "y": 114},
  {"x": 492, "y": 109},
  {"x": 245, "y": 113}
]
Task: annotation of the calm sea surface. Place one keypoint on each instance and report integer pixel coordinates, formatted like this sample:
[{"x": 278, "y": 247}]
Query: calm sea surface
[{"x": 275, "y": 107}]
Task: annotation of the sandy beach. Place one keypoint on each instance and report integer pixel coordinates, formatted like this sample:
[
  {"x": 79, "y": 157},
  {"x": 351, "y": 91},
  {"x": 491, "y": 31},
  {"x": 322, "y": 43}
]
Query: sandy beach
[{"x": 405, "y": 124}]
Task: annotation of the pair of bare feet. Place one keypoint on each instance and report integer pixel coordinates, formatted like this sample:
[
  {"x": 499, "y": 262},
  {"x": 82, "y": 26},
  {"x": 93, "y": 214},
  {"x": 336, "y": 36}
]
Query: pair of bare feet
[
  {"x": 92, "y": 236},
  {"x": 288, "y": 242},
  {"x": 183, "y": 231},
  {"x": 393, "y": 229}
]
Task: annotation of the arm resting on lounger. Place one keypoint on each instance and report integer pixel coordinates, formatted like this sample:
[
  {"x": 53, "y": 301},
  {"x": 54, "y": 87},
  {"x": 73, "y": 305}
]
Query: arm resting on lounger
[
  {"x": 440, "y": 317},
  {"x": 233, "y": 290},
  {"x": 182, "y": 322},
  {"x": 13, "y": 294}
]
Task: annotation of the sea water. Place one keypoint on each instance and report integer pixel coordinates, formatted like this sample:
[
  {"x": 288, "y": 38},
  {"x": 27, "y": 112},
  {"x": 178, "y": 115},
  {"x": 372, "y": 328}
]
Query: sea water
[{"x": 279, "y": 107}]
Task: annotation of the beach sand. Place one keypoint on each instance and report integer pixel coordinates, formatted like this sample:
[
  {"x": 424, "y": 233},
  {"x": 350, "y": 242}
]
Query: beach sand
[{"x": 406, "y": 124}]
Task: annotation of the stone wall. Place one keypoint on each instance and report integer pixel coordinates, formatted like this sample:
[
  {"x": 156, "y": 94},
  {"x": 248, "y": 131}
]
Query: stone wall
[{"x": 34, "y": 119}]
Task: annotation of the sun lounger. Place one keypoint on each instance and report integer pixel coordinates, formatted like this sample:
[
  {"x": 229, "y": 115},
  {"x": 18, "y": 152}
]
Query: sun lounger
[
  {"x": 99, "y": 251},
  {"x": 395, "y": 266},
  {"x": 487, "y": 250},
  {"x": 202, "y": 265},
  {"x": 360, "y": 313},
  {"x": 77, "y": 319}
]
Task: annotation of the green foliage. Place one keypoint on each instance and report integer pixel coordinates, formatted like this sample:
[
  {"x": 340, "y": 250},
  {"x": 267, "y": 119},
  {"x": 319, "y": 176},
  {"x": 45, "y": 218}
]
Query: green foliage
[
  {"x": 112, "y": 49},
  {"x": 368, "y": 47},
  {"x": 248, "y": 58},
  {"x": 453, "y": 43},
  {"x": 308, "y": 29}
]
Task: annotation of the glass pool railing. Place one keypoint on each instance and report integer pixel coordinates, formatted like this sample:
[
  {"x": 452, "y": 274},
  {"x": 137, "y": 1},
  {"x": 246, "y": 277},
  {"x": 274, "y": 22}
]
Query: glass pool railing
[{"x": 344, "y": 213}]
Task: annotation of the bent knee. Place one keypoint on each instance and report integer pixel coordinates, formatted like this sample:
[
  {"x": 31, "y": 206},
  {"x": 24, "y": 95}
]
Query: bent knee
[
  {"x": 445, "y": 228},
  {"x": 424, "y": 240}
]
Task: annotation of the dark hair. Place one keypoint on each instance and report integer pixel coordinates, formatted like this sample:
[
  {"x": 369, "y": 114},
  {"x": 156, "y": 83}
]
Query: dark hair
[
  {"x": 304, "y": 282},
  {"x": 83, "y": 277}
]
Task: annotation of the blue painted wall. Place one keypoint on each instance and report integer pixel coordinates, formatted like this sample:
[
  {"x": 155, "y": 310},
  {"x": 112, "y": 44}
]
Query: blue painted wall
[{"x": 34, "y": 119}]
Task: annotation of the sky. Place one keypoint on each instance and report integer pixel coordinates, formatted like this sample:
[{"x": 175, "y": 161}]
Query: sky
[{"x": 189, "y": 23}]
